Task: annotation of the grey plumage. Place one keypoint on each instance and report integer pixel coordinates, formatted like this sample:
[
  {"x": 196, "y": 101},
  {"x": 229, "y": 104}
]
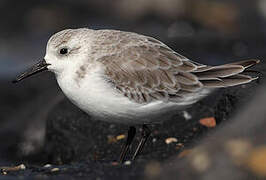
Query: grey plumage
[{"x": 144, "y": 69}]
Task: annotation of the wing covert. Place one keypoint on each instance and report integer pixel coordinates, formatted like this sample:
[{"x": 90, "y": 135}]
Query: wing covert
[{"x": 149, "y": 70}]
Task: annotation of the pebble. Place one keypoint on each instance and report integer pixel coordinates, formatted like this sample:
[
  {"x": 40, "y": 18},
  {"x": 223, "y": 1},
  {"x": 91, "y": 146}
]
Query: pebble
[
  {"x": 186, "y": 115},
  {"x": 127, "y": 163},
  {"x": 112, "y": 139},
  {"x": 122, "y": 136},
  {"x": 22, "y": 167},
  {"x": 209, "y": 122},
  {"x": 170, "y": 140},
  {"x": 54, "y": 169},
  {"x": 15, "y": 168},
  {"x": 47, "y": 166}
]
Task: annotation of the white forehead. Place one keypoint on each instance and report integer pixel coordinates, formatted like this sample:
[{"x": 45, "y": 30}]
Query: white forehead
[{"x": 68, "y": 36}]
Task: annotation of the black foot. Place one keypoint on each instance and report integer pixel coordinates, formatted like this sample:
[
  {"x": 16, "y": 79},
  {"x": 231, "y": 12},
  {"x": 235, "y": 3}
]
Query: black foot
[
  {"x": 130, "y": 136},
  {"x": 146, "y": 132}
]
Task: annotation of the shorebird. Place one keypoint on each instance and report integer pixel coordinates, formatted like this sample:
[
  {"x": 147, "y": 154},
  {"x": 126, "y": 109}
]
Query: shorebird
[{"x": 125, "y": 77}]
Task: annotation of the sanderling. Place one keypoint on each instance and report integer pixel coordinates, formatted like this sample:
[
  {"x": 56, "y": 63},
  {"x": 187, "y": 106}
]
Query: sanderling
[{"x": 128, "y": 78}]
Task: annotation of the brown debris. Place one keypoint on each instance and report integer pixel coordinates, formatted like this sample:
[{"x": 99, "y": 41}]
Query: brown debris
[
  {"x": 120, "y": 137},
  {"x": 55, "y": 169},
  {"x": 11, "y": 169},
  {"x": 170, "y": 140},
  {"x": 209, "y": 122},
  {"x": 113, "y": 139}
]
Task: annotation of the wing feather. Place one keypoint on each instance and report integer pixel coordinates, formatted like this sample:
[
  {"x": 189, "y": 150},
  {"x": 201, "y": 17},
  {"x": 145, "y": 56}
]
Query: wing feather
[
  {"x": 148, "y": 70},
  {"x": 144, "y": 69}
]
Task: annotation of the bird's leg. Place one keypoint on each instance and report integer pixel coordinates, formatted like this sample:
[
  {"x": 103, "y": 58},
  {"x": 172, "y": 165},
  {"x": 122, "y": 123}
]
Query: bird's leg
[
  {"x": 146, "y": 132},
  {"x": 130, "y": 136}
]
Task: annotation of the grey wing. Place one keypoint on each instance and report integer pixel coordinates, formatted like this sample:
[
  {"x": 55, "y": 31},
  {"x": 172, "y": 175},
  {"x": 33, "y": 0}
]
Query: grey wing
[{"x": 148, "y": 70}]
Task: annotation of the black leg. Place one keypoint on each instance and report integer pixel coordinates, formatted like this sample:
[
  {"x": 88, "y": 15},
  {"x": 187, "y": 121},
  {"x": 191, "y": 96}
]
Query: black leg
[
  {"x": 146, "y": 132},
  {"x": 130, "y": 136}
]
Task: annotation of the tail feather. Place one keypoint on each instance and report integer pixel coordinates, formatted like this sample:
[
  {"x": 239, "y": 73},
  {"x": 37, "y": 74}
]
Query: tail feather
[
  {"x": 226, "y": 75},
  {"x": 229, "y": 81},
  {"x": 247, "y": 63},
  {"x": 220, "y": 72}
]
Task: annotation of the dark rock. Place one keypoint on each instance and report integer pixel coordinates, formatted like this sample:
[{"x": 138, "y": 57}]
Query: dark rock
[
  {"x": 236, "y": 151},
  {"x": 24, "y": 108}
]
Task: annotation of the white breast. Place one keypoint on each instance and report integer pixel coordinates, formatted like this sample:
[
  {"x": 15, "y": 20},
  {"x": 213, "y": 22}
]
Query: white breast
[{"x": 94, "y": 95}]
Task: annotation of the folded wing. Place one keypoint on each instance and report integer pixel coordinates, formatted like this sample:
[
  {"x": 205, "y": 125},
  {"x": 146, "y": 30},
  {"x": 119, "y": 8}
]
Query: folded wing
[{"x": 149, "y": 70}]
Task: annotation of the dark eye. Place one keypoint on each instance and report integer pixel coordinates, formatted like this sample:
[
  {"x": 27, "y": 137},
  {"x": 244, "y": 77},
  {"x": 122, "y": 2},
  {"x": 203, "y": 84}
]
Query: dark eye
[{"x": 63, "y": 51}]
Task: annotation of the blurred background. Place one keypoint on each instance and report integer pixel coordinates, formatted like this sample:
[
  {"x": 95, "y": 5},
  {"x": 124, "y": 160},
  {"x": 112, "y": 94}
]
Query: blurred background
[{"x": 207, "y": 31}]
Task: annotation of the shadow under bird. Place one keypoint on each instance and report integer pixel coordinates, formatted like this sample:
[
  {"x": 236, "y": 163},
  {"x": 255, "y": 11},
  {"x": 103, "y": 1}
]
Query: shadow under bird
[{"x": 125, "y": 77}]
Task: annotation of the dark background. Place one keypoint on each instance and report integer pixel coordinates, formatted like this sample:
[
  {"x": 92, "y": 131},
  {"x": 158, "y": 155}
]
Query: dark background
[
  {"x": 193, "y": 28},
  {"x": 207, "y": 31}
]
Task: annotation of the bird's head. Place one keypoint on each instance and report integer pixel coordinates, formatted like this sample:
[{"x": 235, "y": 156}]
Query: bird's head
[{"x": 64, "y": 51}]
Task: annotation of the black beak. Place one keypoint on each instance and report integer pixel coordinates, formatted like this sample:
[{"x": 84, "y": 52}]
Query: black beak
[{"x": 37, "y": 68}]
